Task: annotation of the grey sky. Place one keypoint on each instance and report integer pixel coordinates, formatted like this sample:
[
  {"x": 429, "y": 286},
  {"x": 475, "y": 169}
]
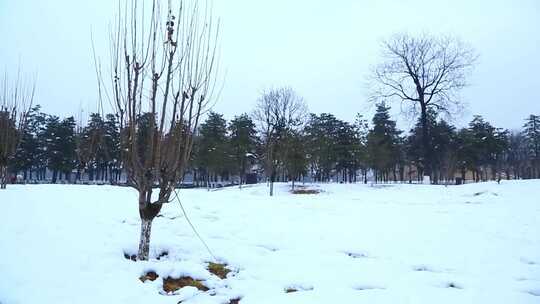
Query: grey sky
[{"x": 322, "y": 49}]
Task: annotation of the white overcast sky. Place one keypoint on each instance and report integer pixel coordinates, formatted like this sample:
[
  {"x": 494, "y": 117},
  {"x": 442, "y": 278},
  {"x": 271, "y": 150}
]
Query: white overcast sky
[{"x": 322, "y": 49}]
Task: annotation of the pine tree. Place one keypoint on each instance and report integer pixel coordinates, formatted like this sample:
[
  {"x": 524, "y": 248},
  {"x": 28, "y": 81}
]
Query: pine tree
[
  {"x": 382, "y": 143},
  {"x": 30, "y": 152},
  {"x": 213, "y": 155},
  {"x": 60, "y": 146},
  {"x": 487, "y": 143},
  {"x": 243, "y": 142},
  {"x": 294, "y": 156},
  {"x": 322, "y": 133},
  {"x": 531, "y": 131}
]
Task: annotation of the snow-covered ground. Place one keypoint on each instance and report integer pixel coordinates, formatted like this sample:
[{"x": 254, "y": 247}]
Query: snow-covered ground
[{"x": 476, "y": 243}]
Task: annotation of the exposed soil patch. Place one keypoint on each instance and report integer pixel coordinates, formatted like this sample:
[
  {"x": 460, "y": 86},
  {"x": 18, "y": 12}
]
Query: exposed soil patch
[
  {"x": 290, "y": 289},
  {"x": 356, "y": 255},
  {"x": 296, "y": 288},
  {"x": 306, "y": 191},
  {"x": 163, "y": 254},
  {"x": 132, "y": 257},
  {"x": 367, "y": 287},
  {"x": 453, "y": 285},
  {"x": 423, "y": 268},
  {"x": 151, "y": 275},
  {"x": 219, "y": 270},
  {"x": 172, "y": 284},
  {"x": 235, "y": 301}
]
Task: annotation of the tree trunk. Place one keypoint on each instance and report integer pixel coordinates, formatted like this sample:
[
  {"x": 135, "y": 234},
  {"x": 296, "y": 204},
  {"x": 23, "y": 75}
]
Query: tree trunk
[
  {"x": 425, "y": 139},
  {"x": 3, "y": 177},
  {"x": 272, "y": 177},
  {"x": 147, "y": 212},
  {"x": 144, "y": 243}
]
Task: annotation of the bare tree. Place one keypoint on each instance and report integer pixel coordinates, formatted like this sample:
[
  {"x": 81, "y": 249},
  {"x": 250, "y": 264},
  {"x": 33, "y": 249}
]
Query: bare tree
[
  {"x": 424, "y": 72},
  {"x": 163, "y": 68},
  {"x": 278, "y": 111},
  {"x": 16, "y": 99}
]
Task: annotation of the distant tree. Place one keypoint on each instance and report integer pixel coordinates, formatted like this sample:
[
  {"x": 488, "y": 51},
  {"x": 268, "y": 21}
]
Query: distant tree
[
  {"x": 362, "y": 130},
  {"x": 243, "y": 142},
  {"x": 348, "y": 151},
  {"x": 30, "y": 152},
  {"x": 278, "y": 112},
  {"x": 487, "y": 144},
  {"x": 443, "y": 150},
  {"x": 517, "y": 155},
  {"x": 9, "y": 137},
  {"x": 213, "y": 147},
  {"x": 98, "y": 148},
  {"x": 321, "y": 138},
  {"x": 382, "y": 143},
  {"x": 294, "y": 156},
  {"x": 112, "y": 147},
  {"x": 60, "y": 146},
  {"x": 91, "y": 148},
  {"x": 531, "y": 131},
  {"x": 424, "y": 72},
  {"x": 16, "y": 99}
]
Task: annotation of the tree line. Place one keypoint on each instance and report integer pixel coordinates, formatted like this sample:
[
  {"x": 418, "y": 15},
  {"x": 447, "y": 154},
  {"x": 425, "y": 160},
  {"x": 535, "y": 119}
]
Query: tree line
[{"x": 319, "y": 147}]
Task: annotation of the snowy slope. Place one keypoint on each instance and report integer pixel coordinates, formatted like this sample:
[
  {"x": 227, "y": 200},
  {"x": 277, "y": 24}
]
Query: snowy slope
[{"x": 476, "y": 243}]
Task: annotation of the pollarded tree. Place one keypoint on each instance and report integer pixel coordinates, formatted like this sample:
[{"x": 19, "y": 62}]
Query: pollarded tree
[
  {"x": 425, "y": 72},
  {"x": 163, "y": 68},
  {"x": 15, "y": 101},
  {"x": 278, "y": 112}
]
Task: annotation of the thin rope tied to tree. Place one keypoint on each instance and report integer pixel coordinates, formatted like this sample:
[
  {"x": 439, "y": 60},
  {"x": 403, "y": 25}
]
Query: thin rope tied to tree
[{"x": 193, "y": 227}]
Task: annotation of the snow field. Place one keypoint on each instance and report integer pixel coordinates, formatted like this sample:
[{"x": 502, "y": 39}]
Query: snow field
[{"x": 476, "y": 243}]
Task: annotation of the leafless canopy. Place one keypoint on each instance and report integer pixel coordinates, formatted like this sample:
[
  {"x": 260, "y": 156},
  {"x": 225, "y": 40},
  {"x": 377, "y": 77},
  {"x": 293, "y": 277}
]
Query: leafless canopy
[
  {"x": 163, "y": 62},
  {"x": 16, "y": 97},
  {"x": 424, "y": 72},
  {"x": 277, "y": 112}
]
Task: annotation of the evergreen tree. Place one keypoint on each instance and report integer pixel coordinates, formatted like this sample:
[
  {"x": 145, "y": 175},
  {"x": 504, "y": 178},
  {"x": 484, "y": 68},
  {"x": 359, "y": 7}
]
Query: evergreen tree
[
  {"x": 294, "y": 158},
  {"x": 531, "y": 131},
  {"x": 487, "y": 145},
  {"x": 213, "y": 155},
  {"x": 382, "y": 143},
  {"x": 322, "y": 133},
  {"x": 30, "y": 152},
  {"x": 243, "y": 142},
  {"x": 60, "y": 146}
]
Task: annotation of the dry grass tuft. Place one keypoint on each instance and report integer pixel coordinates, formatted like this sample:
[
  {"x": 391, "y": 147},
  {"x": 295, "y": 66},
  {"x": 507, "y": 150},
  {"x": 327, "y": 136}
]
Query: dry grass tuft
[
  {"x": 151, "y": 275},
  {"x": 219, "y": 270},
  {"x": 172, "y": 284}
]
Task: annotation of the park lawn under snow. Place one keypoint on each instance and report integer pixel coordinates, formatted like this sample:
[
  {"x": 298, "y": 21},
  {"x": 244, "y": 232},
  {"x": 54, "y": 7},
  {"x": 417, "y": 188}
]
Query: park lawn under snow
[{"x": 476, "y": 243}]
